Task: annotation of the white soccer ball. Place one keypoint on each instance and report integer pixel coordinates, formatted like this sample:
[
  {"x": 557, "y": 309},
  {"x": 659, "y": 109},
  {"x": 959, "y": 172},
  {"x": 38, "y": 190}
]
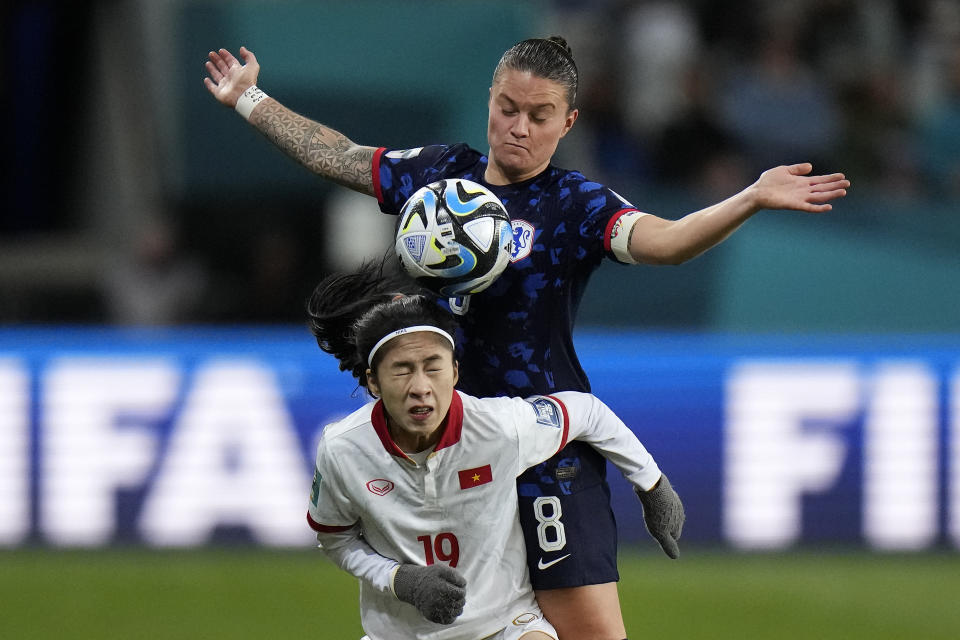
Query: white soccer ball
[{"x": 454, "y": 237}]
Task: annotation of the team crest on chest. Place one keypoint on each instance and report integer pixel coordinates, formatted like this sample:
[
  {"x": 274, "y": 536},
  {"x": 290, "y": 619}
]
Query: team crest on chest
[
  {"x": 523, "y": 235},
  {"x": 380, "y": 487}
]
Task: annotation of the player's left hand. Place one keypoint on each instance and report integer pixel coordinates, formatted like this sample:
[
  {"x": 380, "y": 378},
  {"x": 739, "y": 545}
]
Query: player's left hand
[
  {"x": 437, "y": 591},
  {"x": 663, "y": 514},
  {"x": 792, "y": 187}
]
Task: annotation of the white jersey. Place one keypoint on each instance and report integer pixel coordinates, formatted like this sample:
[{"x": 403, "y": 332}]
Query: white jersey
[{"x": 458, "y": 507}]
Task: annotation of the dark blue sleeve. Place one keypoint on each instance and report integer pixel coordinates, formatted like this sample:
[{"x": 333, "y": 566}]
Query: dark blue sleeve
[
  {"x": 398, "y": 173},
  {"x": 598, "y": 209}
]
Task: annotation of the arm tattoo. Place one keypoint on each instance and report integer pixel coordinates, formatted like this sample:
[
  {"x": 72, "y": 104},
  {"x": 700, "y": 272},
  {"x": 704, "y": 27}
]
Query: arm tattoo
[{"x": 326, "y": 152}]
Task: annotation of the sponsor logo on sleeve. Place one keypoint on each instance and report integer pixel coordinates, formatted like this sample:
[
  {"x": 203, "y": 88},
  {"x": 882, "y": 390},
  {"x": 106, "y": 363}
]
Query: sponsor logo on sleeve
[
  {"x": 315, "y": 489},
  {"x": 547, "y": 412},
  {"x": 404, "y": 154}
]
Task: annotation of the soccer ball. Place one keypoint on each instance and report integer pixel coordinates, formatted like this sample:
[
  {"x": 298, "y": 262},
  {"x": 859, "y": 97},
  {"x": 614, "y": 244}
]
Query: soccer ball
[{"x": 454, "y": 237}]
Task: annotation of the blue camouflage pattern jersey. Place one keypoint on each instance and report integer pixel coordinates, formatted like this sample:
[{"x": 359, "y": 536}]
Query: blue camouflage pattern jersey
[
  {"x": 516, "y": 337},
  {"x": 562, "y": 227}
]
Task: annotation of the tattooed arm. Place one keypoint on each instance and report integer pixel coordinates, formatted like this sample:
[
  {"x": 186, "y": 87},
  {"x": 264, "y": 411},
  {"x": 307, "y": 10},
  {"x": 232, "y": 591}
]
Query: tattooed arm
[{"x": 326, "y": 152}]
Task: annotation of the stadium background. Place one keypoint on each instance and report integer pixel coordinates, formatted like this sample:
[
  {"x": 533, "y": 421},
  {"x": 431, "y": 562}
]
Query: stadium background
[{"x": 155, "y": 252}]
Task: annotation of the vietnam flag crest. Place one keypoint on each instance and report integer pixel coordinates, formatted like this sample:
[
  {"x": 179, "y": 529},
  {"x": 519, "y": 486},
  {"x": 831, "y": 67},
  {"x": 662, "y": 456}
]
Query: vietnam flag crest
[{"x": 475, "y": 477}]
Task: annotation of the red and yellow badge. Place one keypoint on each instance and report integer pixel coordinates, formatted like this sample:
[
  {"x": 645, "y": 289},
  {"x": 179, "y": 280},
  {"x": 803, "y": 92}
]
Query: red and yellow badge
[{"x": 475, "y": 477}]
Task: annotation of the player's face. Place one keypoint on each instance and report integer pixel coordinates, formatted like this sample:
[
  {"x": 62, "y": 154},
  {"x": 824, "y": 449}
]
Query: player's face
[
  {"x": 415, "y": 379},
  {"x": 527, "y": 117}
]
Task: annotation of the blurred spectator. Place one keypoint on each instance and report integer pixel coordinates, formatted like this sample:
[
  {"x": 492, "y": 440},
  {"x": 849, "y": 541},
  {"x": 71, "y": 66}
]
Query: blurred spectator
[
  {"x": 354, "y": 230},
  {"x": 694, "y": 97},
  {"x": 877, "y": 144},
  {"x": 613, "y": 154},
  {"x": 776, "y": 106},
  {"x": 940, "y": 135},
  {"x": 938, "y": 113},
  {"x": 154, "y": 283},
  {"x": 693, "y": 149},
  {"x": 274, "y": 291},
  {"x": 660, "y": 44}
]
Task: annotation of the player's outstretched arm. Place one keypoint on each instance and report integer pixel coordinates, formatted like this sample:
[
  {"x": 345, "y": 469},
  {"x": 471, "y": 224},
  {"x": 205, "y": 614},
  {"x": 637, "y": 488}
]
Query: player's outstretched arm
[
  {"x": 322, "y": 150},
  {"x": 655, "y": 240},
  {"x": 590, "y": 420}
]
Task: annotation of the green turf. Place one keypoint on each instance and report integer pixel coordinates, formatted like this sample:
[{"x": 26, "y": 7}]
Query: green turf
[
  {"x": 792, "y": 596},
  {"x": 246, "y": 593}
]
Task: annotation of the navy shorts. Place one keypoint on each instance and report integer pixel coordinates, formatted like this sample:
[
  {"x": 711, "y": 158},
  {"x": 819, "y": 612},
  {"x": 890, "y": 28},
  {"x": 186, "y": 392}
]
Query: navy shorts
[{"x": 568, "y": 525}]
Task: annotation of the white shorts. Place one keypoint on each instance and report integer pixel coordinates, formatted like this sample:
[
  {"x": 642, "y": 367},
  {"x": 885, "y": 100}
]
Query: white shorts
[{"x": 524, "y": 623}]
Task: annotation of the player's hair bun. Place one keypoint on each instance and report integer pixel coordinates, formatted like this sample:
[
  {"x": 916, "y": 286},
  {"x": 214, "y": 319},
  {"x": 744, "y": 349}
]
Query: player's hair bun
[{"x": 561, "y": 42}]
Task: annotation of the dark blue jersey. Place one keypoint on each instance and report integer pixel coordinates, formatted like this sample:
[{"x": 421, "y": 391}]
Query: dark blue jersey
[{"x": 517, "y": 336}]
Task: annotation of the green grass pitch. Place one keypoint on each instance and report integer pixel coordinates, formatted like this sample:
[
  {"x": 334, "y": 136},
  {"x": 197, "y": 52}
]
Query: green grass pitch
[{"x": 241, "y": 593}]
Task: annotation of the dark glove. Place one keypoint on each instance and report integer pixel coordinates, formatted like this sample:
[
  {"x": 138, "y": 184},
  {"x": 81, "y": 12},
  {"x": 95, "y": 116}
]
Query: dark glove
[
  {"x": 663, "y": 514},
  {"x": 436, "y": 591}
]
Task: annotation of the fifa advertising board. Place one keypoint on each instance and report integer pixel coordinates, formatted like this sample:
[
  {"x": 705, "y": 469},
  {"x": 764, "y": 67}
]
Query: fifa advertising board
[{"x": 190, "y": 437}]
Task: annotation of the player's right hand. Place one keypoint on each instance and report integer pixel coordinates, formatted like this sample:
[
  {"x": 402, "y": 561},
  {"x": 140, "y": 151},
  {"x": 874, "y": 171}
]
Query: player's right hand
[
  {"x": 228, "y": 79},
  {"x": 437, "y": 591}
]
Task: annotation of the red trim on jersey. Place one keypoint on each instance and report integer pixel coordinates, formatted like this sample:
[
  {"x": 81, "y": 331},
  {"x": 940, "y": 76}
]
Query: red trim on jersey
[
  {"x": 566, "y": 422},
  {"x": 325, "y": 528},
  {"x": 452, "y": 427},
  {"x": 454, "y": 423},
  {"x": 376, "y": 174},
  {"x": 610, "y": 224},
  {"x": 379, "y": 419}
]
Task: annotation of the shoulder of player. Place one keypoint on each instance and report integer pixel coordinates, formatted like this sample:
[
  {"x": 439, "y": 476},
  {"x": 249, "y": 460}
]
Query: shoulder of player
[
  {"x": 458, "y": 152},
  {"x": 491, "y": 412},
  {"x": 348, "y": 428},
  {"x": 473, "y": 405},
  {"x": 464, "y": 148},
  {"x": 459, "y": 158},
  {"x": 564, "y": 403},
  {"x": 567, "y": 398},
  {"x": 574, "y": 179},
  {"x": 599, "y": 195}
]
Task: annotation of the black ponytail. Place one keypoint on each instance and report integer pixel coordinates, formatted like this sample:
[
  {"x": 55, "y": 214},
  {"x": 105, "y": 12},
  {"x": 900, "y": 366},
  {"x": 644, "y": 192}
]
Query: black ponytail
[{"x": 349, "y": 313}]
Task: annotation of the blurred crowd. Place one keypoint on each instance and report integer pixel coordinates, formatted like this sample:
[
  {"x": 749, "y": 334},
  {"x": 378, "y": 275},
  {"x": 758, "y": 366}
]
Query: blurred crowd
[
  {"x": 705, "y": 95},
  {"x": 697, "y": 96}
]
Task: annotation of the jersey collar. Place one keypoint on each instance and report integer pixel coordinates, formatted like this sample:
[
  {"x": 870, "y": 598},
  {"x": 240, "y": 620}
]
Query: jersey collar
[{"x": 452, "y": 427}]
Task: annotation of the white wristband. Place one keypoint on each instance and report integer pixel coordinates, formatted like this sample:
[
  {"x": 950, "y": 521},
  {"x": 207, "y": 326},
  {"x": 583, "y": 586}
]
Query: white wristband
[{"x": 248, "y": 100}]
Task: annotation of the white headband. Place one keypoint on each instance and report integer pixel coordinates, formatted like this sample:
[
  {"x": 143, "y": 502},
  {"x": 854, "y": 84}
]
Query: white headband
[{"x": 400, "y": 332}]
